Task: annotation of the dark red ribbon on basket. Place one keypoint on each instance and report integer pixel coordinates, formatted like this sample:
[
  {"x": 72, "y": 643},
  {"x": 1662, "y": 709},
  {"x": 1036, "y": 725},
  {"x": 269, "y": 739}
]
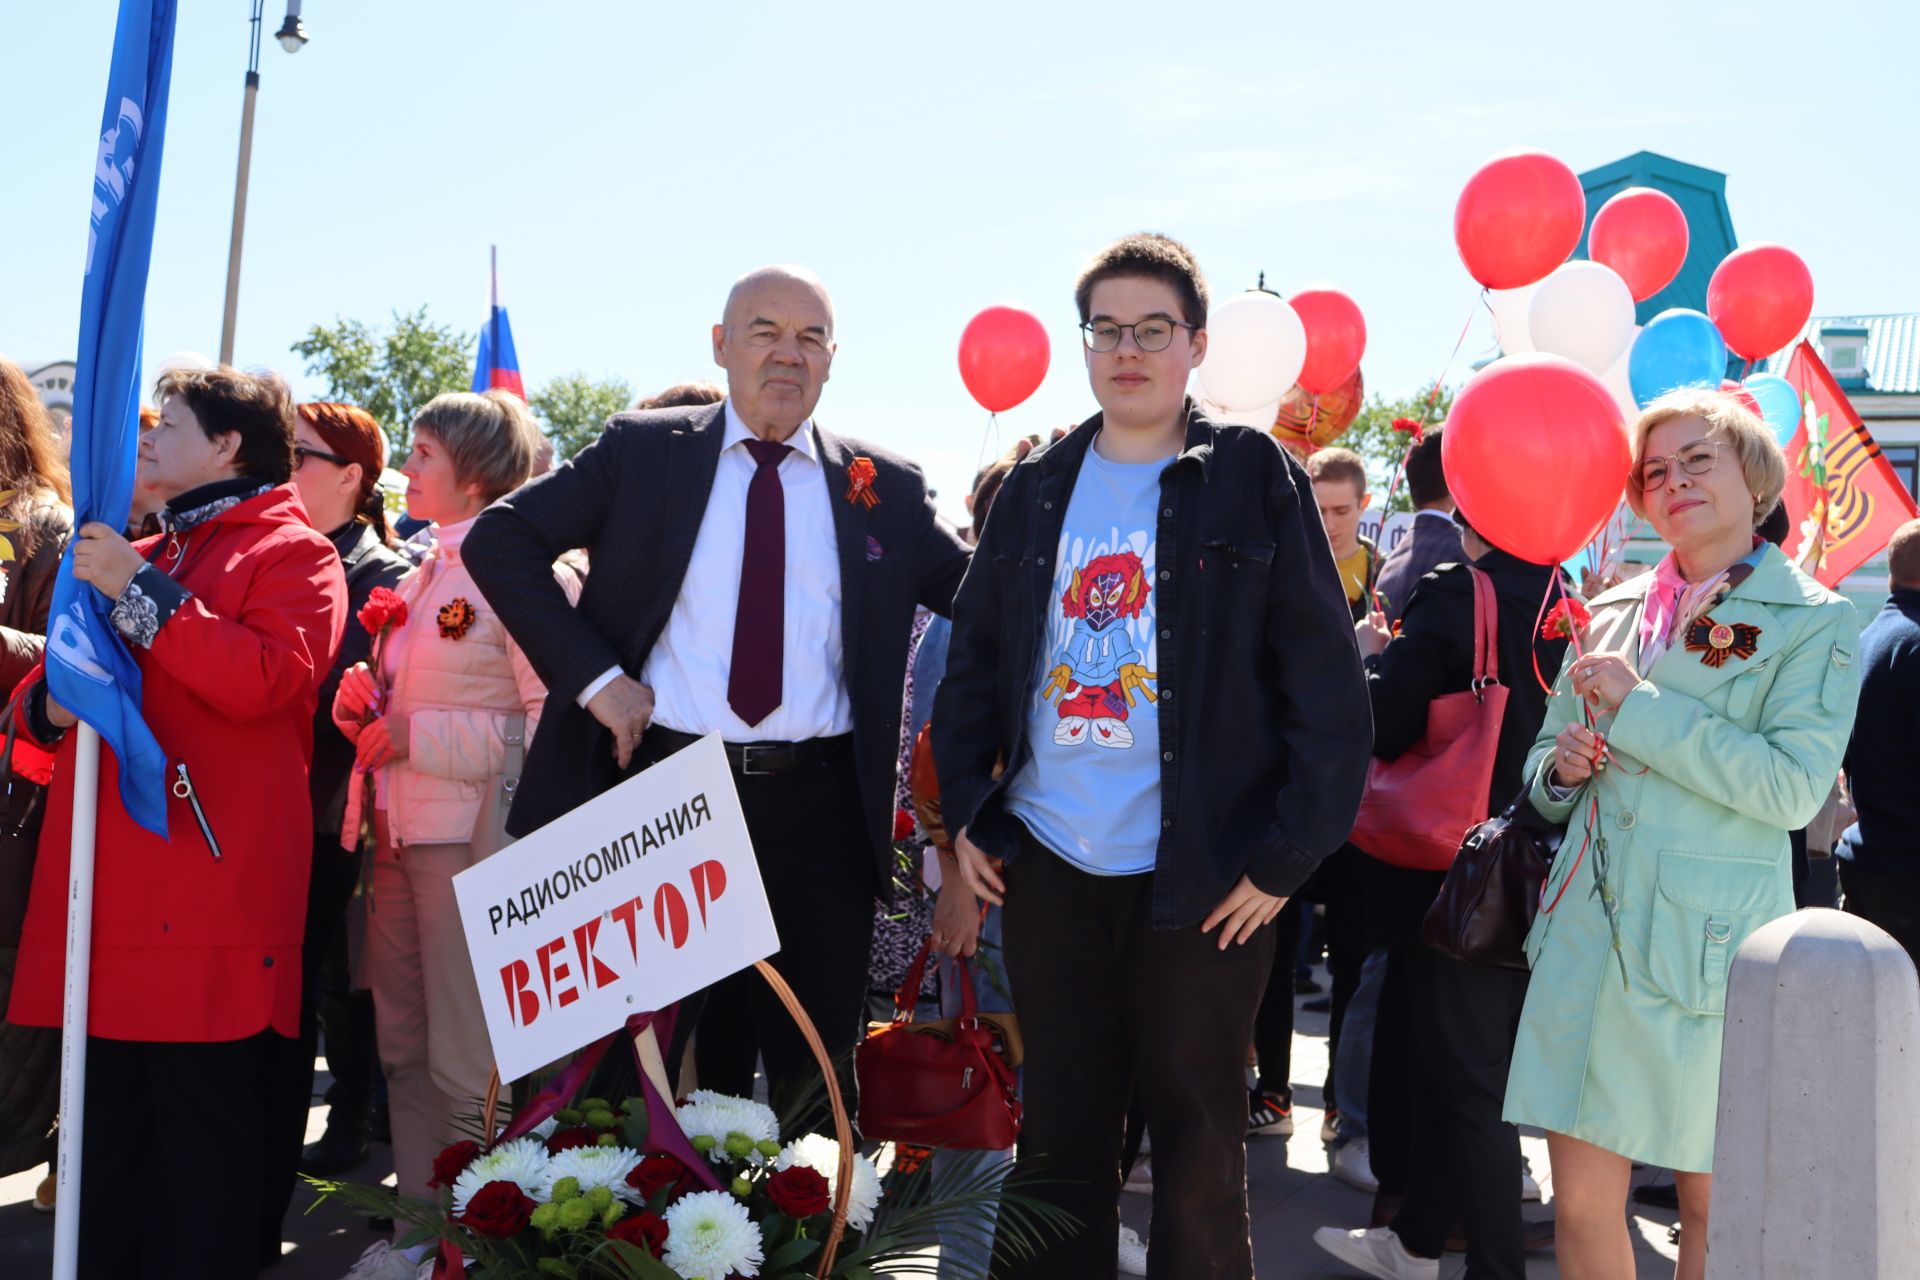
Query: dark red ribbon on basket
[{"x": 663, "y": 1129}]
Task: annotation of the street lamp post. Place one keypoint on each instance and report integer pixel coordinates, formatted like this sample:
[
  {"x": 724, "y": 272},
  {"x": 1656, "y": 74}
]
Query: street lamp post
[{"x": 292, "y": 34}]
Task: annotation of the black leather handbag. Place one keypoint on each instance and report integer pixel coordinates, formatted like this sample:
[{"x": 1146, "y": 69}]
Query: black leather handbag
[{"x": 1492, "y": 890}]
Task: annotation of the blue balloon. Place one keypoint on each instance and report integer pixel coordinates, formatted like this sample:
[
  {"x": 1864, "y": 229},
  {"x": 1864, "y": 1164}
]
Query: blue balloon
[
  {"x": 1678, "y": 348},
  {"x": 1779, "y": 404}
]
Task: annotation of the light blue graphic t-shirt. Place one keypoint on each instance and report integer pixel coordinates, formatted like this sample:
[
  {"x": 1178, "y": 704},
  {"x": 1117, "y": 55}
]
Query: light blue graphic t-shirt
[{"x": 1091, "y": 789}]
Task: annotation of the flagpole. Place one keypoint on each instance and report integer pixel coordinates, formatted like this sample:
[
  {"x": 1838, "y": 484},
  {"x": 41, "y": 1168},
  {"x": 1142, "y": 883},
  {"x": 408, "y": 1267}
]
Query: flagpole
[
  {"x": 493, "y": 310},
  {"x": 73, "y": 1017}
]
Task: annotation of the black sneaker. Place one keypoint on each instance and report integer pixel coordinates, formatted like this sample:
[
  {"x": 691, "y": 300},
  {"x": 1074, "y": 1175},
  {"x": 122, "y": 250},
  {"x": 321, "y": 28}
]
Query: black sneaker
[
  {"x": 1304, "y": 985},
  {"x": 1269, "y": 1115}
]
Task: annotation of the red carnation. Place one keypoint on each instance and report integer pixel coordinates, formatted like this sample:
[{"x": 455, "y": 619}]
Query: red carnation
[
  {"x": 1565, "y": 619},
  {"x": 579, "y": 1135},
  {"x": 1409, "y": 427},
  {"x": 500, "y": 1209},
  {"x": 658, "y": 1173},
  {"x": 643, "y": 1230},
  {"x": 902, "y": 825},
  {"x": 799, "y": 1192},
  {"x": 384, "y": 608},
  {"x": 453, "y": 1162}
]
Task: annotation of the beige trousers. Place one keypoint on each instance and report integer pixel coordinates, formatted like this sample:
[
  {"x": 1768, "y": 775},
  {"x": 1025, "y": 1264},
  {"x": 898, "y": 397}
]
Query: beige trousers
[{"x": 433, "y": 1034}]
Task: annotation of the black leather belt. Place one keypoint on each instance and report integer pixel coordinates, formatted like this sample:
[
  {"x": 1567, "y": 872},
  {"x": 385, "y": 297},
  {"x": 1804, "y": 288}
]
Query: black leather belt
[{"x": 761, "y": 759}]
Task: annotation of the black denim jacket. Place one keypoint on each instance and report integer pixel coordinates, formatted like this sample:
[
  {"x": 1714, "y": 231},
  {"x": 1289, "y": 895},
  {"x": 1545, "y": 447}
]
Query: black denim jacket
[{"x": 1265, "y": 729}]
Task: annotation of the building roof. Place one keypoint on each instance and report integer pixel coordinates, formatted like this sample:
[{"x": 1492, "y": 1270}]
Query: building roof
[
  {"x": 1891, "y": 362},
  {"x": 1701, "y": 195}
]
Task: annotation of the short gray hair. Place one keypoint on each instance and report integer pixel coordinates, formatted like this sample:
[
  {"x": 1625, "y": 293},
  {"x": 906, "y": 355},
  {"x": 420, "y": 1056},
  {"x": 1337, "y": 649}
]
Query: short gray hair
[{"x": 491, "y": 437}]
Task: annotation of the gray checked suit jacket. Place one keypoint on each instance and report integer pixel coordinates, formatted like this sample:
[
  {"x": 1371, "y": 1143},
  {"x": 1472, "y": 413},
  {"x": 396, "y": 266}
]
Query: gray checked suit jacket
[{"x": 634, "y": 499}]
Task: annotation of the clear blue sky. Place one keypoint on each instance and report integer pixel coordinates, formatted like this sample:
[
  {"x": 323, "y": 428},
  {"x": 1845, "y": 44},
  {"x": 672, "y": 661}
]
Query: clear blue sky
[{"x": 631, "y": 159}]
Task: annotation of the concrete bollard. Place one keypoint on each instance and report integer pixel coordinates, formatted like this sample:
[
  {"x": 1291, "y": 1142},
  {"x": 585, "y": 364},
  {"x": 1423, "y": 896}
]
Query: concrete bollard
[{"x": 1816, "y": 1156}]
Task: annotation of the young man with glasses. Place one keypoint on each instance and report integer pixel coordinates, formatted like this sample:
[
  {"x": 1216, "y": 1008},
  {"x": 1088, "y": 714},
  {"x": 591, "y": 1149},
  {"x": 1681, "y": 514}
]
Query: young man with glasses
[{"x": 1154, "y": 636}]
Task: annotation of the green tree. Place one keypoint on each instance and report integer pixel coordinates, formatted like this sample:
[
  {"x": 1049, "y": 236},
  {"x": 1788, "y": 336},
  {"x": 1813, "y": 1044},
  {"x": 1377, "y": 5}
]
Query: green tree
[
  {"x": 573, "y": 409},
  {"x": 390, "y": 373},
  {"x": 1372, "y": 437}
]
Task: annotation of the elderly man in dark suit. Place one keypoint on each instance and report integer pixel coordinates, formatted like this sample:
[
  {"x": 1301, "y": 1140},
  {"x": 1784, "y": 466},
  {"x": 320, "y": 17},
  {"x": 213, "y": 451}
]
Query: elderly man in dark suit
[
  {"x": 752, "y": 575},
  {"x": 1434, "y": 539}
]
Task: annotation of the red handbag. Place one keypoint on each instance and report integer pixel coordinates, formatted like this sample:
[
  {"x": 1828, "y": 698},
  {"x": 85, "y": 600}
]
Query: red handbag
[
  {"x": 936, "y": 1084},
  {"x": 1418, "y": 808}
]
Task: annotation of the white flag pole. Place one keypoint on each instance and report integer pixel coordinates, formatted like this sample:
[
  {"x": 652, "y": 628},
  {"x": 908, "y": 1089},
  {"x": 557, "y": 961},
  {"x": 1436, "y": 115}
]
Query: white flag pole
[{"x": 73, "y": 1017}]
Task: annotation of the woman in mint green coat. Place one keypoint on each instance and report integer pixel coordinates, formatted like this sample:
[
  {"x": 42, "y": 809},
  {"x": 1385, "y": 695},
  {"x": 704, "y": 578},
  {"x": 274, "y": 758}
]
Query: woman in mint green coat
[{"x": 1721, "y": 691}]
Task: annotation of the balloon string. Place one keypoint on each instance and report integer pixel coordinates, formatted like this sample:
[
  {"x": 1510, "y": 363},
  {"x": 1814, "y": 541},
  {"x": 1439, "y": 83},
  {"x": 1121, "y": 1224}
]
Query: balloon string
[
  {"x": 1313, "y": 417},
  {"x": 992, "y": 432},
  {"x": 1433, "y": 398}
]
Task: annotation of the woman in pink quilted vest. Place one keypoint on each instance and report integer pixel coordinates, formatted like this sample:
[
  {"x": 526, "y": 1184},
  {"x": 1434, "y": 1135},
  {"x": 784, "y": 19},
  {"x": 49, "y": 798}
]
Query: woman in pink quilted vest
[{"x": 438, "y": 718}]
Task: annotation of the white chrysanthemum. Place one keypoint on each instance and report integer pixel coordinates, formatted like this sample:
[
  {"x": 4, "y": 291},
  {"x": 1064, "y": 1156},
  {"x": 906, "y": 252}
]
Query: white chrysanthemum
[
  {"x": 719, "y": 1116},
  {"x": 523, "y": 1162},
  {"x": 597, "y": 1167},
  {"x": 821, "y": 1154},
  {"x": 710, "y": 1236}
]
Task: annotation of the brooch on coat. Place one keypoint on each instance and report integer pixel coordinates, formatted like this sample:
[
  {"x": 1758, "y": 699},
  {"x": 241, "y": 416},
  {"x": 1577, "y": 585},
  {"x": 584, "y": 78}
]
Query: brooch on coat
[
  {"x": 860, "y": 478},
  {"x": 1715, "y": 641},
  {"x": 456, "y": 618}
]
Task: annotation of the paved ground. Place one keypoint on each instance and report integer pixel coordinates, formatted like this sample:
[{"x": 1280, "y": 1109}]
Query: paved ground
[{"x": 1290, "y": 1191}]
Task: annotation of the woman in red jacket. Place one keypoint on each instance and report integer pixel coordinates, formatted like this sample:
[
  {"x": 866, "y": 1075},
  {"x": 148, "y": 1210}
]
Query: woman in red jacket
[{"x": 233, "y": 614}]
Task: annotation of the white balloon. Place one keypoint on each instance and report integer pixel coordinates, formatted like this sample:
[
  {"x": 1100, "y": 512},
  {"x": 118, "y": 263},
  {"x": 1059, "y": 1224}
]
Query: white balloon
[
  {"x": 1261, "y": 419},
  {"x": 1622, "y": 387},
  {"x": 1583, "y": 311},
  {"x": 1510, "y": 317},
  {"x": 1256, "y": 346}
]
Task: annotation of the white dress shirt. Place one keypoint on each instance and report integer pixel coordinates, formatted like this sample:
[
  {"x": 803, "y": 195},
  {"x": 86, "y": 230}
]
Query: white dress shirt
[{"x": 690, "y": 664}]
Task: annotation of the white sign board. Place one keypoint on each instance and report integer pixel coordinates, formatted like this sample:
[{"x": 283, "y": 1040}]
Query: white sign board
[
  {"x": 647, "y": 893},
  {"x": 1398, "y": 526}
]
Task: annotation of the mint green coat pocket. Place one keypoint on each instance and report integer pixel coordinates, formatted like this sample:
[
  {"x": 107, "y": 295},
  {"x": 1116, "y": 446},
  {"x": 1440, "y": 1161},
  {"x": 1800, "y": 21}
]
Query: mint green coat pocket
[{"x": 1704, "y": 907}]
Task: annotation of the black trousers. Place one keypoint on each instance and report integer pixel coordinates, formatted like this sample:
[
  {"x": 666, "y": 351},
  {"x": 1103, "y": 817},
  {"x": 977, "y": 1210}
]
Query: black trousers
[
  {"x": 1463, "y": 1163},
  {"x": 1885, "y": 898},
  {"x": 289, "y": 1083},
  {"x": 1273, "y": 1024},
  {"x": 1110, "y": 1005},
  {"x": 817, "y": 865},
  {"x": 174, "y": 1158},
  {"x": 1396, "y": 905},
  {"x": 1339, "y": 885}
]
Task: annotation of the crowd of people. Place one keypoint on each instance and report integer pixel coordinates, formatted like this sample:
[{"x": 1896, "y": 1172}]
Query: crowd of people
[{"x": 1136, "y": 735}]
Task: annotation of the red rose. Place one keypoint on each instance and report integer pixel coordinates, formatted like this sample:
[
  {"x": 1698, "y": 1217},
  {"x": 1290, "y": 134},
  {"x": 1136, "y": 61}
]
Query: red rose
[
  {"x": 1409, "y": 427},
  {"x": 383, "y": 608},
  {"x": 902, "y": 825},
  {"x": 453, "y": 1162},
  {"x": 500, "y": 1209},
  {"x": 642, "y": 1230},
  {"x": 659, "y": 1173},
  {"x": 799, "y": 1192},
  {"x": 579, "y": 1135}
]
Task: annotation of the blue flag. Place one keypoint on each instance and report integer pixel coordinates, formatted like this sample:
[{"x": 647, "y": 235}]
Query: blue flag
[{"x": 89, "y": 670}]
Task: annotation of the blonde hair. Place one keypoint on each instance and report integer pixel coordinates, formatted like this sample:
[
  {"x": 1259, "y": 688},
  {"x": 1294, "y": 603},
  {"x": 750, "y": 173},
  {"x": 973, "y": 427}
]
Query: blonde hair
[
  {"x": 491, "y": 438},
  {"x": 1762, "y": 464}
]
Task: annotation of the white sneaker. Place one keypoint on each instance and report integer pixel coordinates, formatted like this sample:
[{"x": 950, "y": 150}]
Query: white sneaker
[
  {"x": 1108, "y": 732},
  {"x": 1529, "y": 1188},
  {"x": 1140, "y": 1181},
  {"x": 1070, "y": 732},
  {"x": 1352, "y": 1165},
  {"x": 1329, "y": 1127},
  {"x": 1376, "y": 1252},
  {"x": 1133, "y": 1254},
  {"x": 381, "y": 1261}
]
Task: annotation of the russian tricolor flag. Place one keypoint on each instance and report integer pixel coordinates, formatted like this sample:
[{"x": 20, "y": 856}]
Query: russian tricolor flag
[{"x": 497, "y": 365}]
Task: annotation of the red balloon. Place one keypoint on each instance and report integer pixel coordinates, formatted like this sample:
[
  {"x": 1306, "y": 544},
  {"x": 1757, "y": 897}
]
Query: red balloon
[
  {"x": 1336, "y": 338},
  {"x": 1518, "y": 218},
  {"x": 1536, "y": 455},
  {"x": 1760, "y": 298},
  {"x": 1003, "y": 356},
  {"x": 1642, "y": 234},
  {"x": 1743, "y": 397}
]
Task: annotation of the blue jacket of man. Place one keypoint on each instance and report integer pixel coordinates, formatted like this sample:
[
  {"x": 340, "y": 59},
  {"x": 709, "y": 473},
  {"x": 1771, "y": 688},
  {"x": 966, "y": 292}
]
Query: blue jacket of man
[
  {"x": 1886, "y": 742},
  {"x": 1433, "y": 540}
]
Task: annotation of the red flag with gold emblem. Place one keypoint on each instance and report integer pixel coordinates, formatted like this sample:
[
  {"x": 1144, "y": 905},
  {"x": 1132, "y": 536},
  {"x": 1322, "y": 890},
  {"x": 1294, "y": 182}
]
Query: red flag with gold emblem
[{"x": 1843, "y": 499}]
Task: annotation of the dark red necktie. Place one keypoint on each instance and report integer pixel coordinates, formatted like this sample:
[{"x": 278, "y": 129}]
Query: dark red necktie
[{"x": 760, "y": 618}]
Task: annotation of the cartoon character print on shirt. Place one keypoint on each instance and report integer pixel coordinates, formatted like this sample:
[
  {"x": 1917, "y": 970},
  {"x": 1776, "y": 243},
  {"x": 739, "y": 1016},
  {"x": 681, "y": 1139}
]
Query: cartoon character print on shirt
[{"x": 1099, "y": 671}]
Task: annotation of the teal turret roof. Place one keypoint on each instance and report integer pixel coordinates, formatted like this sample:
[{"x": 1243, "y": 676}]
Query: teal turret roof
[
  {"x": 1702, "y": 196},
  {"x": 1890, "y": 365}
]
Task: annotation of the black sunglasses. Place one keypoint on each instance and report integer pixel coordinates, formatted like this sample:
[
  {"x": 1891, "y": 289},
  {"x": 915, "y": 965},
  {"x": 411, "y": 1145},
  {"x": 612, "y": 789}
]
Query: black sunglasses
[{"x": 301, "y": 453}]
